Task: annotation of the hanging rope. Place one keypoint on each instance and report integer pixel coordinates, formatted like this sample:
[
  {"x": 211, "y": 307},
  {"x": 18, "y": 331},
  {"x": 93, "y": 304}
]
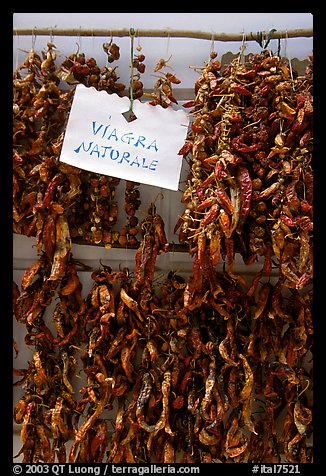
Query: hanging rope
[{"x": 129, "y": 115}]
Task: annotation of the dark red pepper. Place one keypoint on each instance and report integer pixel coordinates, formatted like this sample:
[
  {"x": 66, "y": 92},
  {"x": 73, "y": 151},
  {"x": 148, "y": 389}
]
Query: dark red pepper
[
  {"x": 245, "y": 186},
  {"x": 49, "y": 194}
]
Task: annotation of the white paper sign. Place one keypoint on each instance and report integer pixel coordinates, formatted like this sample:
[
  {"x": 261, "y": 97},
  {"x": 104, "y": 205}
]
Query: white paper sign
[{"x": 98, "y": 138}]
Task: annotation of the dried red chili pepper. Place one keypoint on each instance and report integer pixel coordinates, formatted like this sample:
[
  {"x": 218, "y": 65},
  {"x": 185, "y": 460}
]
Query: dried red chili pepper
[{"x": 245, "y": 186}]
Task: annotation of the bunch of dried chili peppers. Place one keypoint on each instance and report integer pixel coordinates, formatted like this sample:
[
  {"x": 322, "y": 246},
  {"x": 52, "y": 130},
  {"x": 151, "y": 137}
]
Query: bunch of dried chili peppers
[
  {"x": 249, "y": 188},
  {"x": 42, "y": 185},
  {"x": 250, "y": 191},
  {"x": 201, "y": 368}
]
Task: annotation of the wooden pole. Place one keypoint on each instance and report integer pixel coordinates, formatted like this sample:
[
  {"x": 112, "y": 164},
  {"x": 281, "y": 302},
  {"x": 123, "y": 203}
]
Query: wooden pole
[{"x": 201, "y": 35}]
